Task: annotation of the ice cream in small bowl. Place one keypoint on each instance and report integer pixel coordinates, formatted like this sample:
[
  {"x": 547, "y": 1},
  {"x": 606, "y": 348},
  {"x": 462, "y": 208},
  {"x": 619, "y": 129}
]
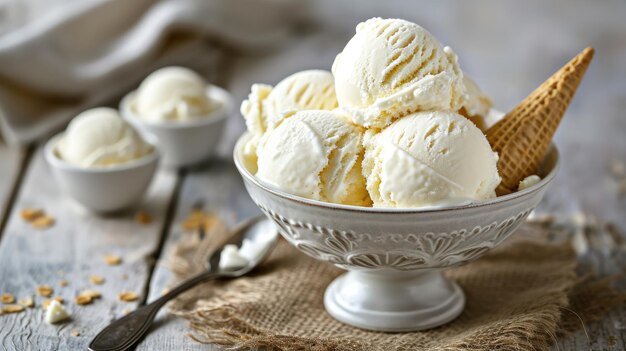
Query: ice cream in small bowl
[
  {"x": 101, "y": 162},
  {"x": 393, "y": 169},
  {"x": 185, "y": 114}
]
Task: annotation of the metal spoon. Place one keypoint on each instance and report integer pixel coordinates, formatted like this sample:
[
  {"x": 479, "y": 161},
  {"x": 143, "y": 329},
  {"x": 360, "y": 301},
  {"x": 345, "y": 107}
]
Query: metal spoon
[{"x": 126, "y": 331}]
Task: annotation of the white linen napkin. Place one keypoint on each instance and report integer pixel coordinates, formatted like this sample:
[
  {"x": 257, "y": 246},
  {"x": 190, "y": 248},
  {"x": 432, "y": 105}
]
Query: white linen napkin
[{"x": 87, "y": 52}]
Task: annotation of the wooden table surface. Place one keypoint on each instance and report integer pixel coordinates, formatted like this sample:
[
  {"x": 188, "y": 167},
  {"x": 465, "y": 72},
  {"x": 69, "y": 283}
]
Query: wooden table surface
[{"x": 507, "y": 47}]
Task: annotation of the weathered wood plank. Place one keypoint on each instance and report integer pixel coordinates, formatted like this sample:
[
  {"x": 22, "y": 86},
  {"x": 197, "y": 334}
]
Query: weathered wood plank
[
  {"x": 221, "y": 190},
  {"x": 607, "y": 334},
  {"x": 73, "y": 249},
  {"x": 11, "y": 163}
]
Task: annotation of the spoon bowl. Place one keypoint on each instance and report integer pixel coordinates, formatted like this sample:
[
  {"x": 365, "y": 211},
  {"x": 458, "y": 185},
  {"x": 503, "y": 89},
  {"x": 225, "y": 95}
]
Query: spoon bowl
[{"x": 260, "y": 231}]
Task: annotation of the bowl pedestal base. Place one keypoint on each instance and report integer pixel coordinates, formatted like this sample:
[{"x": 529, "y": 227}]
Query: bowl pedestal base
[{"x": 393, "y": 301}]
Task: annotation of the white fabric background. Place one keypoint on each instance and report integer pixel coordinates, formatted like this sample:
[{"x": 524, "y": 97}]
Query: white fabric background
[{"x": 61, "y": 59}]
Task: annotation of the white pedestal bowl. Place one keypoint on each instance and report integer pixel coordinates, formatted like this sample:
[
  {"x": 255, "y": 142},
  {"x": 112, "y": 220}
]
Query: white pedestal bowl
[{"x": 394, "y": 257}]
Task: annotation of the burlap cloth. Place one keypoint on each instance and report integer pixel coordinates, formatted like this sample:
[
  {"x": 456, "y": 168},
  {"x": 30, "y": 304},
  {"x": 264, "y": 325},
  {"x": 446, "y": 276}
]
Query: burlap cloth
[{"x": 520, "y": 296}]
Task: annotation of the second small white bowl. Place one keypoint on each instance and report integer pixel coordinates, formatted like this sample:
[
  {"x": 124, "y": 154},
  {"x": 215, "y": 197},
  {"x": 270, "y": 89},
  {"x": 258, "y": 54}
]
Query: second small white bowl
[
  {"x": 189, "y": 142},
  {"x": 102, "y": 189}
]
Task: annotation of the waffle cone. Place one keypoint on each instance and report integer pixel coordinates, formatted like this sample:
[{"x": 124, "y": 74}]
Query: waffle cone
[{"x": 523, "y": 136}]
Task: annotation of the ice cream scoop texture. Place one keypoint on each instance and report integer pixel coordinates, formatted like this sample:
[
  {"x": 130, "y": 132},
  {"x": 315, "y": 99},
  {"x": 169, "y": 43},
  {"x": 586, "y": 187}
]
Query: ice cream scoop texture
[{"x": 392, "y": 68}]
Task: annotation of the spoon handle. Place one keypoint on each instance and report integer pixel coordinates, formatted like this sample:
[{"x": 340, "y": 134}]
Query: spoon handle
[{"x": 126, "y": 331}]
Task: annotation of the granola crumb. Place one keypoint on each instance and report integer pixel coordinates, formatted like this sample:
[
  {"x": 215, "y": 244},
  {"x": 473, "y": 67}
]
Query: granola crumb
[
  {"x": 210, "y": 221},
  {"x": 96, "y": 279},
  {"x": 87, "y": 297},
  {"x": 30, "y": 214},
  {"x": 143, "y": 217},
  {"x": 194, "y": 220},
  {"x": 27, "y": 302},
  {"x": 165, "y": 291},
  {"x": 13, "y": 308},
  {"x": 43, "y": 222},
  {"x": 59, "y": 299},
  {"x": 75, "y": 333},
  {"x": 112, "y": 260},
  {"x": 63, "y": 283},
  {"x": 7, "y": 298},
  {"x": 125, "y": 311},
  {"x": 83, "y": 300},
  {"x": 45, "y": 290},
  {"x": 199, "y": 219},
  {"x": 127, "y": 296},
  {"x": 92, "y": 293}
]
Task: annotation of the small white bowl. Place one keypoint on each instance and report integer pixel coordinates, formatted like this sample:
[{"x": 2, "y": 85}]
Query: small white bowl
[
  {"x": 102, "y": 189},
  {"x": 184, "y": 143},
  {"x": 394, "y": 257}
]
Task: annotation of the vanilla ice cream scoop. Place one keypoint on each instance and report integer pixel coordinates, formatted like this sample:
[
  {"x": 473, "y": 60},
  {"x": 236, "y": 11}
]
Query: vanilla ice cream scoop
[
  {"x": 173, "y": 94},
  {"x": 306, "y": 90},
  {"x": 100, "y": 137},
  {"x": 315, "y": 154},
  {"x": 393, "y": 67},
  {"x": 429, "y": 159},
  {"x": 266, "y": 106}
]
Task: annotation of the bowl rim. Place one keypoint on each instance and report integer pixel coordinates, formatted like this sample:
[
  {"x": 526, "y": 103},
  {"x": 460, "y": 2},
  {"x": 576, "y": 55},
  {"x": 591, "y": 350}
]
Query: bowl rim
[
  {"x": 54, "y": 160},
  {"x": 381, "y": 210},
  {"x": 215, "y": 116}
]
